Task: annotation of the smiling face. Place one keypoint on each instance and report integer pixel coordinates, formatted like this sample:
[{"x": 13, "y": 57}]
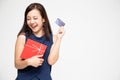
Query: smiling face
[{"x": 35, "y": 21}]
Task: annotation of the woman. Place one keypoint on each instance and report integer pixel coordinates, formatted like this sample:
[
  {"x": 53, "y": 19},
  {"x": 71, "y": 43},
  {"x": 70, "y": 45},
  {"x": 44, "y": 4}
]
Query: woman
[{"x": 37, "y": 27}]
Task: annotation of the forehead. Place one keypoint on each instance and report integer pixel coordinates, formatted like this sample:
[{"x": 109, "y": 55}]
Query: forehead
[{"x": 34, "y": 12}]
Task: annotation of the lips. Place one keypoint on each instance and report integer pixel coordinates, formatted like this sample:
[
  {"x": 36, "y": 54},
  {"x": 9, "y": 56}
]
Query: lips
[{"x": 33, "y": 26}]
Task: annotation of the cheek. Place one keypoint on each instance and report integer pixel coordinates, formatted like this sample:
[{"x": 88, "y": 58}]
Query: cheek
[
  {"x": 39, "y": 22},
  {"x": 28, "y": 22}
]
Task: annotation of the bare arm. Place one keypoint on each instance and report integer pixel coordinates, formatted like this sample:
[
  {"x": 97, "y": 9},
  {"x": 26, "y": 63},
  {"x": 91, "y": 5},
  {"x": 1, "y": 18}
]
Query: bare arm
[
  {"x": 21, "y": 64},
  {"x": 54, "y": 52}
]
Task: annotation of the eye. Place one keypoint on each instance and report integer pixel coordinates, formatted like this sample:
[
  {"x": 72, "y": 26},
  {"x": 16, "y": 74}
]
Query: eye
[
  {"x": 28, "y": 19},
  {"x": 35, "y": 18}
]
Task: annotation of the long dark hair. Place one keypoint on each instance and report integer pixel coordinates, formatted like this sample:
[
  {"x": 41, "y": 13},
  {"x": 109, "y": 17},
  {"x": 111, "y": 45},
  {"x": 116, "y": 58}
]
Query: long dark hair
[{"x": 46, "y": 24}]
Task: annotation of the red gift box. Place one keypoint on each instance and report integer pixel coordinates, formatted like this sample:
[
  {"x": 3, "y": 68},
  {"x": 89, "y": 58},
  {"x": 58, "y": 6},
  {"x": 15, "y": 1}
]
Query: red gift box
[{"x": 33, "y": 48}]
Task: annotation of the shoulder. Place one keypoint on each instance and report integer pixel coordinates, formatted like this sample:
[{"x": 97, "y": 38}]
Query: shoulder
[
  {"x": 21, "y": 39},
  {"x": 21, "y": 36}
]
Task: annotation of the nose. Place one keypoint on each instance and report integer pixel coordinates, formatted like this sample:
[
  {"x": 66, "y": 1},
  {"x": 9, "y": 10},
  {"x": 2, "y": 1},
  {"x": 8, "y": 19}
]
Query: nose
[{"x": 32, "y": 21}]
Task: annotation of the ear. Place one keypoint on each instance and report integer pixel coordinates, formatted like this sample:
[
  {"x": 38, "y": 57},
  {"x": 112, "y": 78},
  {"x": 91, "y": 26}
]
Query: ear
[{"x": 43, "y": 20}]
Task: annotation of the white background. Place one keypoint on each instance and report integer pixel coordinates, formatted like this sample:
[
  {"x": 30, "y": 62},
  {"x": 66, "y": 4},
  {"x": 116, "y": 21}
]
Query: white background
[{"x": 90, "y": 49}]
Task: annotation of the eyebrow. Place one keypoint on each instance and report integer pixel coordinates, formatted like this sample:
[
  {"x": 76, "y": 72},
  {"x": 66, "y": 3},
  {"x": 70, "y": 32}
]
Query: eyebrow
[{"x": 33, "y": 17}]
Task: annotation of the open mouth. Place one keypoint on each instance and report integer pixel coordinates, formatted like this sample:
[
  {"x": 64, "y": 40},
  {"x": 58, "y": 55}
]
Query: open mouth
[{"x": 33, "y": 26}]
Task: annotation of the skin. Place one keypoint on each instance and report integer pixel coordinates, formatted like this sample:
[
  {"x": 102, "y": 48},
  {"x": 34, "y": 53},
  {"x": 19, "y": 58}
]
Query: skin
[{"x": 35, "y": 22}]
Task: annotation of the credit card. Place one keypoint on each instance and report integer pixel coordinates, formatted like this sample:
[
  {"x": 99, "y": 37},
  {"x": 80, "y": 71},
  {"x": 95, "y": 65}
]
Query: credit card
[{"x": 59, "y": 22}]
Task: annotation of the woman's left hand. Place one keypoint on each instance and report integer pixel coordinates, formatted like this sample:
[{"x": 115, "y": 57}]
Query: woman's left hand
[{"x": 60, "y": 32}]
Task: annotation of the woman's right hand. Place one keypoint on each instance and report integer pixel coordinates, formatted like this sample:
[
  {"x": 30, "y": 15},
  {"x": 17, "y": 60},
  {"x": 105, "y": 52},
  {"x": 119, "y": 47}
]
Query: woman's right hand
[{"x": 35, "y": 61}]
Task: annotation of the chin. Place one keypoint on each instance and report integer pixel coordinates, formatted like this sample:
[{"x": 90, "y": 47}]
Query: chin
[{"x": 35, "y": 31}]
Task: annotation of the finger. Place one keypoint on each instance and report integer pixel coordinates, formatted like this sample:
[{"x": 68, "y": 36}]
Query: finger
[
  {"x": 40, "y": 64},
  {"x": 41, "y": 59},
  {"x": 39, "y": 56},
  {"x": 61, "y": 26},
  {"x": 60, "y": 32}
]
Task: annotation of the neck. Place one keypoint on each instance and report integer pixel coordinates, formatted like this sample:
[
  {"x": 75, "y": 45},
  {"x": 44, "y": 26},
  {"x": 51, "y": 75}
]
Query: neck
[{"x": 39, "y": 34}]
